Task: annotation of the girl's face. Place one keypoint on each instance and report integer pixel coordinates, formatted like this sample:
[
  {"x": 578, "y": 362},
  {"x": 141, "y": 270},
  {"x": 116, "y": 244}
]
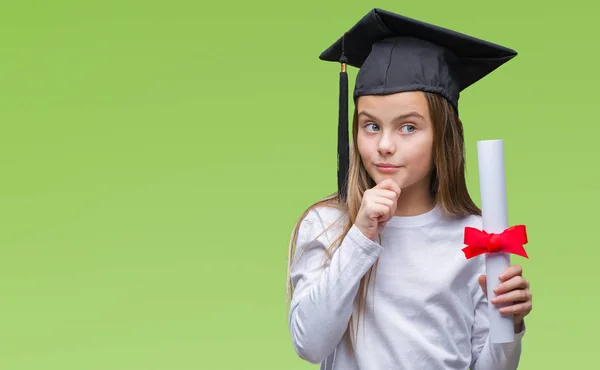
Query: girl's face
[{"x": 395, "y": 137}]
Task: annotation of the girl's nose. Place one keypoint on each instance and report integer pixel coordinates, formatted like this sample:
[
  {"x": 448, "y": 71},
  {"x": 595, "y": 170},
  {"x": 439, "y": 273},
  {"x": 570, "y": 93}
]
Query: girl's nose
[{"x": 386, "y": 145}]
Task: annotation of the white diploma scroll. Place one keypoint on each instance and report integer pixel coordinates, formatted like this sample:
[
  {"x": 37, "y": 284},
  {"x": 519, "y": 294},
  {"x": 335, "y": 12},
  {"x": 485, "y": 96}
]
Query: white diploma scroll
[{"x": 495, "y": 220}]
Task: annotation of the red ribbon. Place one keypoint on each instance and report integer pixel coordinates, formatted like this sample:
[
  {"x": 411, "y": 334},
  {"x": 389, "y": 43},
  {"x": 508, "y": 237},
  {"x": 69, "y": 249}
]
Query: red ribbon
[{"x": 510, "y": 240}]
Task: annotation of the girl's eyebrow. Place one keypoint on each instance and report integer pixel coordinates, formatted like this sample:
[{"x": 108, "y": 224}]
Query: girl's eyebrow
[{"x": 400, "y": 117}]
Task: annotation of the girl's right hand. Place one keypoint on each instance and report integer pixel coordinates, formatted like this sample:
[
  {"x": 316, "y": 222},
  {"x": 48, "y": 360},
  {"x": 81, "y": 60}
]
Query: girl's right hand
[{"x": 377, "y": 208}]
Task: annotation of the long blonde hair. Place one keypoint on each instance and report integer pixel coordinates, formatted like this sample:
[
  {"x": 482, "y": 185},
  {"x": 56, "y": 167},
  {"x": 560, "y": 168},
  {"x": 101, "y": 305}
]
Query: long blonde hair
[{"x": 447, "y": 186}]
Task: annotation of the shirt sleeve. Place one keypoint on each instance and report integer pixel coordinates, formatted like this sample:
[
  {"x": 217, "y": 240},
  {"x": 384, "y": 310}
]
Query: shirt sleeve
[
  {"x": 323, "y": 298},
  {"x": 491, "y": 356}
]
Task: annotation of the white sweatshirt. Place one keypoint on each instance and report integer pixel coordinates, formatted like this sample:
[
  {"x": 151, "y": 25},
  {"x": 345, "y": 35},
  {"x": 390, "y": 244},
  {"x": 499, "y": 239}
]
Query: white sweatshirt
[{"x": 425, "y": 309}]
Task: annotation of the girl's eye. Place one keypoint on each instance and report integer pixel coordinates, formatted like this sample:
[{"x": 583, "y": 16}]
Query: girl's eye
[
  {"x": 408, "y": 128},
  {"x": 375, "y": 127}
]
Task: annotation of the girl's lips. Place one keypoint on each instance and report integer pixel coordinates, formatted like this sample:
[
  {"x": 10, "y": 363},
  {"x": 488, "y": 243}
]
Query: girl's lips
[{"x": 387, "y": 168}]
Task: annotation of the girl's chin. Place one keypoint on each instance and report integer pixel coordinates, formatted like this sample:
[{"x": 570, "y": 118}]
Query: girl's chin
[
  {"x": 382, "y": 176},
  {"x": 399, "y": 178}
]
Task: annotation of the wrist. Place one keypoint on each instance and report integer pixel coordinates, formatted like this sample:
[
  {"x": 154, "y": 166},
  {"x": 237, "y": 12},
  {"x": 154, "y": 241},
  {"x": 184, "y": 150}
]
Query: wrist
[{"x": 370, "y": 236}]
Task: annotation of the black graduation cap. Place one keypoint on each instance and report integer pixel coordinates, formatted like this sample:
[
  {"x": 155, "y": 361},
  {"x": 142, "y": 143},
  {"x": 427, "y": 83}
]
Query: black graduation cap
[{"x": 395, "y": 54}]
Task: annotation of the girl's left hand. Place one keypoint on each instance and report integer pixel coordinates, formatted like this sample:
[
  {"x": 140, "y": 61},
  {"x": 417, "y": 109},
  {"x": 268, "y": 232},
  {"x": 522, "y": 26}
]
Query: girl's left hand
[{"x": 513, "y": 289}]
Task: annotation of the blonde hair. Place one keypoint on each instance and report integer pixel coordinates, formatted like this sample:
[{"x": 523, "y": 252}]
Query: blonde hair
[{"x": 447, "y": 187}]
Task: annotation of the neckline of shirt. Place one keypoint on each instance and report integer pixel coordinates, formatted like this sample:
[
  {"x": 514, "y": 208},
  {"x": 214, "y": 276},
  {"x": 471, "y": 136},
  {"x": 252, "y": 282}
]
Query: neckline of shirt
[{"x": 417, "y": 220}]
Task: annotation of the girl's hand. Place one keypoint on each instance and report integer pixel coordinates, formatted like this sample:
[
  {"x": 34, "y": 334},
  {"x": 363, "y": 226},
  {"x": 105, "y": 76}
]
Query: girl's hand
[
  {"x": 377, "y": 208},
  {"x": 513, "y": 289}
]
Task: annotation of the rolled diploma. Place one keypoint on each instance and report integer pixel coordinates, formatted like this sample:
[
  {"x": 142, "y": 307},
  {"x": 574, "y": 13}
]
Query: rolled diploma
[{"x": 495, "y": 220}]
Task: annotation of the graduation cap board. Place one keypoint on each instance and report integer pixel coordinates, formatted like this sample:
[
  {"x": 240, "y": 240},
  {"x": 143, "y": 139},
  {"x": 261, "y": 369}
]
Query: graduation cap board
[{"x": 395, "y": 54}]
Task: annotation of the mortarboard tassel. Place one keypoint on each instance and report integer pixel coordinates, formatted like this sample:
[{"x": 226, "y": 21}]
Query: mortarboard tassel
[{"x": 343, "y": 146}]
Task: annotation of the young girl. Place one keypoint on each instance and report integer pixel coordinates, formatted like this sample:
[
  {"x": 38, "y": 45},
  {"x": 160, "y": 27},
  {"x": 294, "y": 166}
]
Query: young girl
[{"x": 377, "y": 276}]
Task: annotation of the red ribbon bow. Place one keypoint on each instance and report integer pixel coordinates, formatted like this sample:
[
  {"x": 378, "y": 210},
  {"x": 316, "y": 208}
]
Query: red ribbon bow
[{"x": 510, "y": 240}]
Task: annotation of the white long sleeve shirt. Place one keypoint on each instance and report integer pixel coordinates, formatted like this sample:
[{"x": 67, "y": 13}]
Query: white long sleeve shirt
[{"x": 425, "y": 308}]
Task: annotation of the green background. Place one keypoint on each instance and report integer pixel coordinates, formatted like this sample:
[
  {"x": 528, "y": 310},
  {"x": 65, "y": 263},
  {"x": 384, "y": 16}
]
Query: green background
[{"x": 156, "y": 155}]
